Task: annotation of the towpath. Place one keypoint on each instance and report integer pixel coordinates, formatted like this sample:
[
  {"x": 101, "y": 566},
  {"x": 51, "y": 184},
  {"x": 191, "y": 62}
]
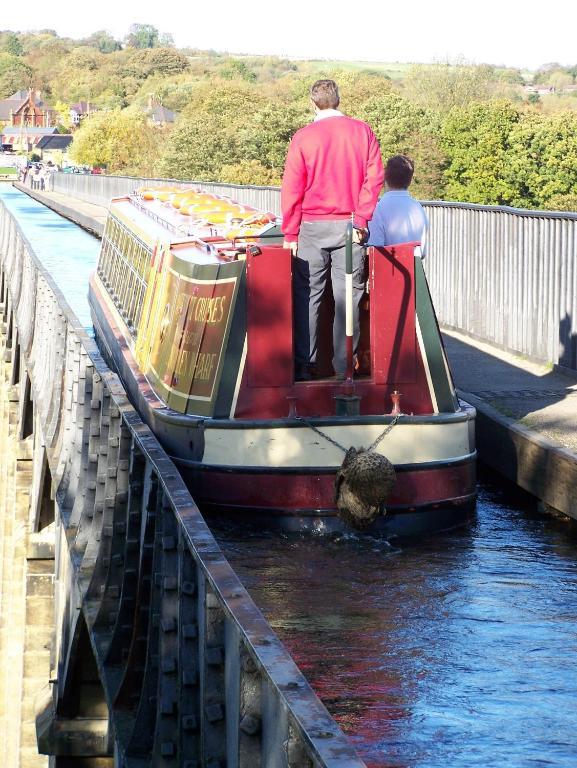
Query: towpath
[{"x": 527, "y": 411}]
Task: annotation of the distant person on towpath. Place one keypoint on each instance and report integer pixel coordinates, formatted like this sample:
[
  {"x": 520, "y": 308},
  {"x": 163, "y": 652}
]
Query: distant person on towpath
[
  {"x": 333, "y": 173},
  {"x": 398, "y": 217}
]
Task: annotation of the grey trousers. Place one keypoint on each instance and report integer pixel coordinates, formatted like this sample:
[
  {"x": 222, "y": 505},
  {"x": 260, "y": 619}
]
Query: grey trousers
[{"x": 321, "y": 249}]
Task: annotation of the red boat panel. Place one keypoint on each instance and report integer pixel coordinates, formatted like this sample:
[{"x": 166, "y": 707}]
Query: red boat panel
[
  {"x": 394, "y": 347},
  {"x": 269, "y": 317},
  {"x": 287, "y": 491}
]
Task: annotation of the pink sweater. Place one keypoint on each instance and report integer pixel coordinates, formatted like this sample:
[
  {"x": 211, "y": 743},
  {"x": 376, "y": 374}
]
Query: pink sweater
[{"x": 333, "y": 168}]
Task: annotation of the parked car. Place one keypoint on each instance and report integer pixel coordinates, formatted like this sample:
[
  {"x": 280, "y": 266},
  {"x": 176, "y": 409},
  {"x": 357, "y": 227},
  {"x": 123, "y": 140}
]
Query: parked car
[{"x": 75, "y": 169}]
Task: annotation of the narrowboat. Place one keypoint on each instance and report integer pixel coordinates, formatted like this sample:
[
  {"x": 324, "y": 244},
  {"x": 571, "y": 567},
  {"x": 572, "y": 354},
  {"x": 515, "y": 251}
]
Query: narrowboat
[{"x": 192, "y": 306}]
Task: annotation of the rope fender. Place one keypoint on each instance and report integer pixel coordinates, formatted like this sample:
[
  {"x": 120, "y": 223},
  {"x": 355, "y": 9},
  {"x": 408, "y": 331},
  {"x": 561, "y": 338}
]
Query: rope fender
[{"x": 364, "y": 480}]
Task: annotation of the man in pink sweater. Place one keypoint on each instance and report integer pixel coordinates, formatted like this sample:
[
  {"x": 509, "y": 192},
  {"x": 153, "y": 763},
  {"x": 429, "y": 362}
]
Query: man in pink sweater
[{"x": 333, "y": 173}]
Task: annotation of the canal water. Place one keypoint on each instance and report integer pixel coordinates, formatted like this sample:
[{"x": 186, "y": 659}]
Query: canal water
[
  {"x": 459, "y": 650},
  {"x": 67, "y": 251}
]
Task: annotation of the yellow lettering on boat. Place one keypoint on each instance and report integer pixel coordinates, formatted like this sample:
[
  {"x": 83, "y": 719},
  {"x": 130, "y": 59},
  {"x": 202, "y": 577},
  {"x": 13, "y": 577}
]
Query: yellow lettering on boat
[{"x": 205, "y": 366}]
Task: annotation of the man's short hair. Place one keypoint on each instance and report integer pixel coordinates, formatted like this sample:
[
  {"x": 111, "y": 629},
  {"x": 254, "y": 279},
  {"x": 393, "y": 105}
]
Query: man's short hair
[
  {"x": 325, "y": 94},
  {"x": 399, "y": 171}
]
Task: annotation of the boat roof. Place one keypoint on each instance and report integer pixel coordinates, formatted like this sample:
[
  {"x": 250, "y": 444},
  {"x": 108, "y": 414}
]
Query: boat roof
[
  {"x": 157, "y": 218},
  {"x": 152, "y": 228}
]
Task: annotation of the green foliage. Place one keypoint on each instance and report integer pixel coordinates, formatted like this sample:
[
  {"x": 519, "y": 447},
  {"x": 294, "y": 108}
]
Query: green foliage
[
  {"x": 470, "y": 129},
  {"x": 14, "y": 74},
  {"x": 267, "y": 137},
  {"x": 200, "y": 144},
  {"x": 237, "y": 68},
  {"x": 103, "y": 42},
  {"x": 162, "y": 61},
  {"x": 229, "y": 100},
  {"x": 476, "y": 140},
  {"x": 63, "y": 117},
  {"x": 393, "y": 119},
  {"x": 547, "y": 74},
  {"x": 121, "y": 140},
  {"x": 543, "y": 160},
  {"x": 248, "y": 172},
  {"x": 443, "y": 86},
  {"x": 142, "y": 36},
  {"x": 566, "y": 202},
  {"x": 10, "y": 43},
  {"x": 560, "y": 80},
  {"x": 407, "y": 129},
  {"x": 355, "y": 87},
  {"x": 231, "y": 129}
]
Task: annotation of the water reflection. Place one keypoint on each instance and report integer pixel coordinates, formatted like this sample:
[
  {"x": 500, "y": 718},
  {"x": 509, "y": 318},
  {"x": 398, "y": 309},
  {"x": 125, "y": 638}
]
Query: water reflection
[{"x": 458, "y": 651}]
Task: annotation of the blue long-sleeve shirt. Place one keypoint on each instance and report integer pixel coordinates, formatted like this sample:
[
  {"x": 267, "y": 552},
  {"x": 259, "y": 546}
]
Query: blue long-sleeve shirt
[{"x": 398, "y": 218}]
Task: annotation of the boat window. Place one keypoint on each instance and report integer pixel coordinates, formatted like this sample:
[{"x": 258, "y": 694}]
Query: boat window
[{"x": 124, "y": 265}]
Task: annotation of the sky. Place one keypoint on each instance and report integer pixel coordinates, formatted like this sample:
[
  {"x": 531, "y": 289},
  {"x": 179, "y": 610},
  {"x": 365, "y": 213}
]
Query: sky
[{"x": 499, "y": 32}]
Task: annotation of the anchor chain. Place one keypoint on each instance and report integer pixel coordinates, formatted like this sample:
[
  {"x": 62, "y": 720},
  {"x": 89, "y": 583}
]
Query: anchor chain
[{"x": 329, "y": 439}]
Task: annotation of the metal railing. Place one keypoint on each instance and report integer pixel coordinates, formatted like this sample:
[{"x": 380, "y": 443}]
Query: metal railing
[
  {"x": 506, "y": 276},
  {"x": 100, "y": 189},
  {"x": 191, "y": 672}
]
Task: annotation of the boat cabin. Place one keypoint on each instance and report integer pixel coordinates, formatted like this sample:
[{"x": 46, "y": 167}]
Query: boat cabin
[{"x": 208, "y": 305}]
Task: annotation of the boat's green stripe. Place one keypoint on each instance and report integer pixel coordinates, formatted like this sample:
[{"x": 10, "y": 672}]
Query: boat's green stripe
[
  {"x": 433, "y": 344},
  {"x": 233, "y": 346}
]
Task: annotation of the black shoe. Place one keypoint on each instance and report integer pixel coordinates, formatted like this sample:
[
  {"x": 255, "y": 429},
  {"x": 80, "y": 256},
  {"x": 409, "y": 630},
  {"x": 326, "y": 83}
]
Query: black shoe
[{"x": 304, "y": 372}]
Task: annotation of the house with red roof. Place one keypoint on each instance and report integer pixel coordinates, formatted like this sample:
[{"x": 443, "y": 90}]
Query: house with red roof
[{"x": 26, "y": 108}]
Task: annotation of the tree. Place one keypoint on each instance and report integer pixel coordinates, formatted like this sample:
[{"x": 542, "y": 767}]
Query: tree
[
  {"x": 476, "y": 139},
  {"x": 78, "y": 75},
  {"x": 121, "y": 140},
  {"x": 443, "y": 86},
  {"x": 236, "y": 68},
  {"x": 543, "y": 160},
  {"x": 267, "y": 137},
  {"x": 355, "y": 88},
  {"x": 404, "y": 128},
  {"x": 63, "y": 116},
  {"x": 248, "y": 172},
  {"x": 14, "y": 74},
  {"x": 164, "y": 61},
  {"x": 230, "y": 101},
  {"x": 103, "y": 42},
  {"x": 560, "y": 79},
  {"x": 566, "y": 202},
  {"x": 142, "y": 36},
  {"x": 541, "y": 76},
  {"x": 198, "y": 147},
  {"x": 10, "y": 43}
]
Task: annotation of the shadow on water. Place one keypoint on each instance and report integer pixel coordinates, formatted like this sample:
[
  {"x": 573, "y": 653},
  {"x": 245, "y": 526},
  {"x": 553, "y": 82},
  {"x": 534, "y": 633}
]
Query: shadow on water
[{"x": 458, "y": 650}]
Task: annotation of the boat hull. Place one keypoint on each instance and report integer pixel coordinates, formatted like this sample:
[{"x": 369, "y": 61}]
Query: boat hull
[{"x": 424, "y": 500}]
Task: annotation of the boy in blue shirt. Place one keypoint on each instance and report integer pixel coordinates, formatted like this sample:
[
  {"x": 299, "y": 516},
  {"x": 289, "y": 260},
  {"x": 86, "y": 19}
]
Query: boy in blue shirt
[{"x": 398, "y": 217}]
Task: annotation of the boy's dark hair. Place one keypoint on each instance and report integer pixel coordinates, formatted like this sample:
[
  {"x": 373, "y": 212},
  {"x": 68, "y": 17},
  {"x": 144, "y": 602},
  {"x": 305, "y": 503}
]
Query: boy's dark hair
[
  {"x": 325, "y": 94},
  {"x": 399, "y": 172}
]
